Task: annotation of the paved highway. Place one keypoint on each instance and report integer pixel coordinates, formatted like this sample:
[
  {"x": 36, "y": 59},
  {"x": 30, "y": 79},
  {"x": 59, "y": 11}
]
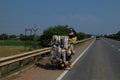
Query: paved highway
[{"x": 100, "y": 62}]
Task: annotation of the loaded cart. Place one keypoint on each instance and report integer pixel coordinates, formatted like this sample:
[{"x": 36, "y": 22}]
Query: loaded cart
[{"x": 61, "y": 50}]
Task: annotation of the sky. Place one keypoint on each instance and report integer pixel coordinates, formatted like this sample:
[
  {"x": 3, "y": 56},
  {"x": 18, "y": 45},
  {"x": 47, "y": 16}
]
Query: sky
[{"x": 88, "y": 16}]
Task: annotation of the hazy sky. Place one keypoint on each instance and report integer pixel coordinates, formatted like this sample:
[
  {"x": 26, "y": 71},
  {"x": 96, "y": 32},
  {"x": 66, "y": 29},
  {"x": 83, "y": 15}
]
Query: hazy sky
[{"x": 89, "y": 16}]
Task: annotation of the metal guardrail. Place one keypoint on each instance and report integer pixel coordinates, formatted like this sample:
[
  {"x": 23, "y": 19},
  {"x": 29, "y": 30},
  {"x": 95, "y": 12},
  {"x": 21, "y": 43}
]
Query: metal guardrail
[
  {"x": 14, "y": 58},
  {"x": 18, "y": 61},
  {"x": 14, "y": 62}
]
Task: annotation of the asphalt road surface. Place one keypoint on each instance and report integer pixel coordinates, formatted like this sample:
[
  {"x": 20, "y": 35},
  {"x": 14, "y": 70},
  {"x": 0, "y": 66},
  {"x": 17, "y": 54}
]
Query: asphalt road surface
[{"x": 100, "y": 62}]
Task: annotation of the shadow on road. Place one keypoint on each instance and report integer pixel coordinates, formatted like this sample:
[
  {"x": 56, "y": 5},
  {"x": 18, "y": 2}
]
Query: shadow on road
[{"x": 48, "y": 66}]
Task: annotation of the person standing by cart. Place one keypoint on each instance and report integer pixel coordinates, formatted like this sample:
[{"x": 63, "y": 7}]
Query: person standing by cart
[{"x": 72, "y": 38}]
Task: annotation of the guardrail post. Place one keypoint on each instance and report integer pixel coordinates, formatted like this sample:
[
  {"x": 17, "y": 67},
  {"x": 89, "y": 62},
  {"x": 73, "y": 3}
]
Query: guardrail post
[
  {"x": 0, "y": 72},
  {"x": 34, "y": 59},
  {"x": 21, "y": 63}
]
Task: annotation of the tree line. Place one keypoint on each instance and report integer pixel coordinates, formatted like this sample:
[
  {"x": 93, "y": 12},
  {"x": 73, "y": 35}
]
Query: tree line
[
  {"x": 115, "y": 36},
  {"x": 46, "y": 37}
]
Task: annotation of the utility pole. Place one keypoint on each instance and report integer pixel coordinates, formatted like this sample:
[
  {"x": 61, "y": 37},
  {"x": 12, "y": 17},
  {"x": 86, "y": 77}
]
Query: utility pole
[
  {"x": 27, "y": 30},
  {"x": 35, "y": 35},
  {"x": 32, "y": 32}
]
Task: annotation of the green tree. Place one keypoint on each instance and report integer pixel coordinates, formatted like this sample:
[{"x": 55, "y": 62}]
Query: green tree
[
  {"x": 81, "y": 35},
  {"x": 12, "y": 36},
  {"x": 22, "y": 37},
  {"x": 3, "y": 36},
  {"x": 118, "y": 33},
  {"x": 55, "y": 30}
]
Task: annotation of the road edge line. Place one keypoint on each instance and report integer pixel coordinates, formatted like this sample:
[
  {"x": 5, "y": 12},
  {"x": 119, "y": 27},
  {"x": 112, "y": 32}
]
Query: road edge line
[{"x": 65, "y": 72}]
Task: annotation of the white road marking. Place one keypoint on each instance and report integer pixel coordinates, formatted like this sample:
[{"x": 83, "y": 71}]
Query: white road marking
[
  {"x": 113, "y": 46},
  {"x": 65, "y": 72},
  {"x": 118, "y": 49}
]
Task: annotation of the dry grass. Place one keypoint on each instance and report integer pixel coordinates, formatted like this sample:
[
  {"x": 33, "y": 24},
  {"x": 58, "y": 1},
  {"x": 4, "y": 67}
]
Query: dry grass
[{"x": 11, "y": 50}]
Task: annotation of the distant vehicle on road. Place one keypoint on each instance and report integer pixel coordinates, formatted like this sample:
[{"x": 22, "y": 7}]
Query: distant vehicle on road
[{"x": 97, "y": 37}]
